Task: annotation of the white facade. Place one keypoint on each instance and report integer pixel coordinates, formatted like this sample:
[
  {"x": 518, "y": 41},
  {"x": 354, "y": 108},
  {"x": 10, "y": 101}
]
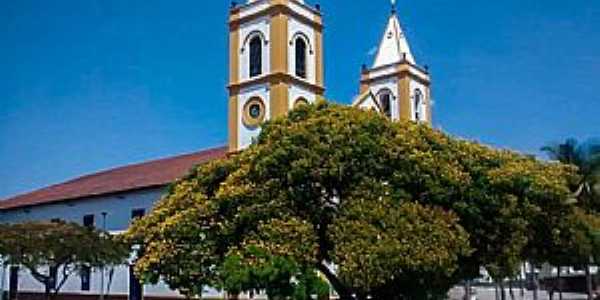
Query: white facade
[
  {"x": 419, "y": 108},
  {"x": 255, "y": 28},
  {"x": 297, "y": 93},
  {"x": 298, "y": 30},
  {"x": 246, "y": 134},
  {"x": 118, "y": 209},
  {"x": 388, "y": 85}
]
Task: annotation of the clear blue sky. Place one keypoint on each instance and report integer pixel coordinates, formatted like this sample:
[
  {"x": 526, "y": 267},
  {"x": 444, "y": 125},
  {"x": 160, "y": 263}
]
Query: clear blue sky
[{"x": 87, "y": 85}]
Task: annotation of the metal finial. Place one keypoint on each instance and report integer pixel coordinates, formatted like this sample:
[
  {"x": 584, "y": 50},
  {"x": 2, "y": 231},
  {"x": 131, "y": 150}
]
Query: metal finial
[{"x": 393, "y": 6}]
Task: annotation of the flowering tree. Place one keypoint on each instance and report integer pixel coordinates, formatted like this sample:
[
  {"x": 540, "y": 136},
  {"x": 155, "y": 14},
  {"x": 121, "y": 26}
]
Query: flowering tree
[
  {"x": 53, "y": 251},
  {"x": 381, "y": 209}
]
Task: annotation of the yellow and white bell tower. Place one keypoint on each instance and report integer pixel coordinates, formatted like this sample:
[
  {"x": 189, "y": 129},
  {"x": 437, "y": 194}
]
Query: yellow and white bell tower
[
  {"x": 396, "y": 85},
  {"x": 276, "y": 62}
]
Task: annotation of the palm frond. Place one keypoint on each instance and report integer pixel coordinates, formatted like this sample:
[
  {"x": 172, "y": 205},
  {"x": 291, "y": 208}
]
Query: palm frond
[
  {"x": 553, "y": 151},
  {"x": 567, "y": 152}
]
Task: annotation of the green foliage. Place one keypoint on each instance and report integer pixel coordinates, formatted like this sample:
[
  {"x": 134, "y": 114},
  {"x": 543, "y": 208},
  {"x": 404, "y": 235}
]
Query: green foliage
[
  {"x": 379, "y": 240},
  {"x": 397, "y": 208},
  {"x": 574, "y": 238},
  {"x": 280, "y": 277},
  {"x": 65, "y": 247}
]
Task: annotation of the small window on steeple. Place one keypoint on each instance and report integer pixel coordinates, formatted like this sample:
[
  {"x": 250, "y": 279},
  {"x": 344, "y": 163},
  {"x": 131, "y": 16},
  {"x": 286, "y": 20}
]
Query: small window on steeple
[
  {"x": 385, "y": 102},
  {"x": 255, "y": 56},
  {"x": 300, "y": 57},
  {"x": 418, "y": 106}
]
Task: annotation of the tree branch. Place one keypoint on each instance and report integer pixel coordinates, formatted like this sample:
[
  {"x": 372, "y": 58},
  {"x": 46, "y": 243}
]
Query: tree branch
[
  {"x": 37, "y": 275},
  {"x": 66, "y": 273},
  {"x": 344, "y": 292}
]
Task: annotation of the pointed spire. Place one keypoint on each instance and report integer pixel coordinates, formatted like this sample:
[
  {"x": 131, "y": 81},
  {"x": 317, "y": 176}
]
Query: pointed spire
[{"x": 394, "y": 47}]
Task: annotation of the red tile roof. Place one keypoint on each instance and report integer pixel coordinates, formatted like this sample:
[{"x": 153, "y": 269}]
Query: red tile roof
[{"x": 144, "y": 175}]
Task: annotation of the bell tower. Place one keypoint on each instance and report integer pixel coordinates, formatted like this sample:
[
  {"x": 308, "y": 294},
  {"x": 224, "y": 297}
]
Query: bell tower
[
  {"x": 396, "y": 85},
  {"x": 275, "y": 63}
]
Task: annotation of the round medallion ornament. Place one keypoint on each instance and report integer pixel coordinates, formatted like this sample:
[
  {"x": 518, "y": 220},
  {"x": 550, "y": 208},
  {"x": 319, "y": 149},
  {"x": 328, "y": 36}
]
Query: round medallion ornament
[{"x": 254, "y": 112}]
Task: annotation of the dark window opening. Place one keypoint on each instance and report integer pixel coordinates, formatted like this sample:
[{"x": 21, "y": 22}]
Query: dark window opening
[
  {"x": 386, "y": 105},
  {"x": 300, "y": 58},
  {"x": 418, "y": 104},
  {"x": 255, "y": 56},
  {"x": 88, "y": 221},
  {"x": 255, "y": 111},
  {"x": 86, "y": 274},
  {"x": 137, "y": 213}
]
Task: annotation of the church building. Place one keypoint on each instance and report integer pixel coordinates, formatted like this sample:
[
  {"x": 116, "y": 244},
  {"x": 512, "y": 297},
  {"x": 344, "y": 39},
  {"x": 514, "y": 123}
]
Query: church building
[{"x": 275, "y": 64}]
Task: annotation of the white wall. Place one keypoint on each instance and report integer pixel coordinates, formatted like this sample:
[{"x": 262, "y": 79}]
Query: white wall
[
  {"x": 296, "y": 92},
  {"x": 296, "y": 27},
  {"x": 262, "y": 26},
  {"x": 245, "y": 133},
  {"x": 392, "y": 85},
  {"x": 118, "y": 208},
  {"x": 414, "y": 85}
]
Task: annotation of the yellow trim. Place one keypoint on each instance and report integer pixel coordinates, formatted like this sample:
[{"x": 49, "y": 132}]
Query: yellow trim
[
  {"x": 364, "y": 82},
  {"x": 279, "y": 99},
  {"x": 234, "y": 41},
  {"x": 404, "y": 98},
  {"x": 277, "y": 7},
  {"x": 279, "y": 38},
  {"x": 402, "y": 69},
  {"x": 429, "y": 106},
  {"x": 234, "y": 57},
  {"x": 233, "y": 123},
  {"x": 319, "y": 80},
  {"x": 279, "y": 2},
  {"x": 273, "y": 79}
]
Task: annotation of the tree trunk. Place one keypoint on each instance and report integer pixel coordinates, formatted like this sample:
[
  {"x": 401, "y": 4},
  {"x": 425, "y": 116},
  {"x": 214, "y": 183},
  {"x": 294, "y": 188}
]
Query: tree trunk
[
  {"x": 510, "y": 289},
  {"x": 47, "y": 292},
  {"x": 232, "y": 296},
  {"x": 534, "y": 281},
  {"x": 468, "y": 290},
  {"x": 338, "y": 286},
  {"x": 497, "y": 291},
  {"x": 502, "y": 291},
  {"x": 559, "y": 284},
  {"x": 523, "y": 277},
  {"x": 588, "y": 279}
]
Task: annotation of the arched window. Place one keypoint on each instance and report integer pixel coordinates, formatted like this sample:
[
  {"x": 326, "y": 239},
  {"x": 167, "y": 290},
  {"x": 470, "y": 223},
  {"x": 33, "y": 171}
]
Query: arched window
[
  {"x": 385, "y": 102},
  {"x": 300, "y": 101},
  {"x": 300, "y": 57},
  {"x": 255, "y": 56},
  {"x": 418, "y": 106}
]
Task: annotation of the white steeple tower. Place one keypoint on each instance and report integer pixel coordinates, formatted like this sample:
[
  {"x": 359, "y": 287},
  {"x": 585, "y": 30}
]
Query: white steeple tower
[
  {"x": 395, "y": 85},
  {"x": 394, "y": 46}
]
